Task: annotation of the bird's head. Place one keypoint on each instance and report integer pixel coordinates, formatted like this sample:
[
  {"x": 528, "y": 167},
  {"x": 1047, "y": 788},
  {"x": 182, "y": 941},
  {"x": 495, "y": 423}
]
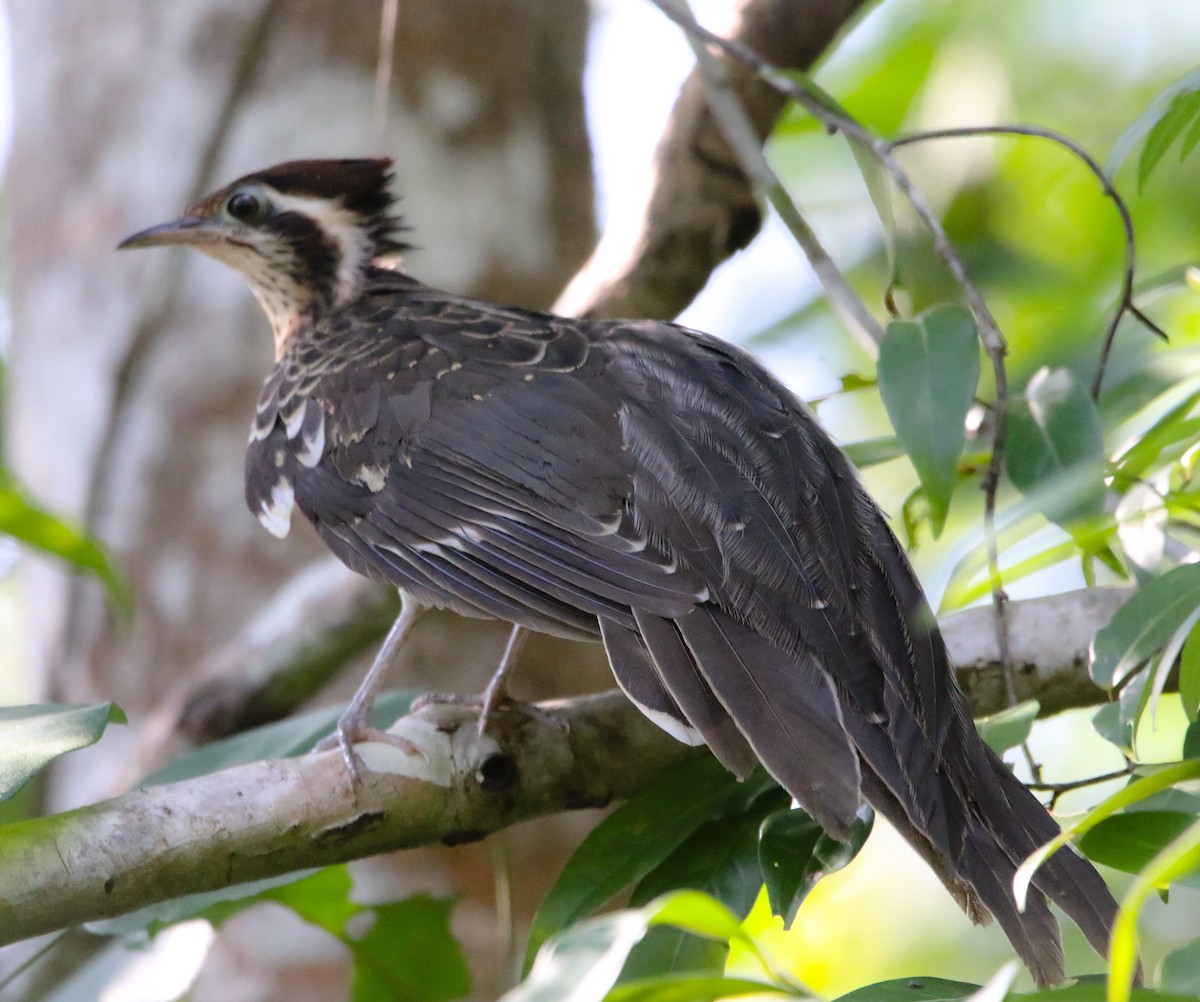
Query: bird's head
[{"x": 304, "y": 234}]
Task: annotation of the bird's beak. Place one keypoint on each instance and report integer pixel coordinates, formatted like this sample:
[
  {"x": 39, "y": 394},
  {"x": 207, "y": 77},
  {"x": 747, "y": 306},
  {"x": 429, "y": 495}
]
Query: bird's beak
[{"x": 188, "y": 230}]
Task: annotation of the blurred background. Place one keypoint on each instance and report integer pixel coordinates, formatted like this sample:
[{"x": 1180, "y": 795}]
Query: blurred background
[{"x": 521, "y": 130}]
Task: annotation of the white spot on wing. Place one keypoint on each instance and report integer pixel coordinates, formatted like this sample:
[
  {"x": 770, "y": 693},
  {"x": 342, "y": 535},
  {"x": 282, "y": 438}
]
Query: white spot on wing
[
  {"x": 312, "y": 443},
  {"x": 293, "y": 421},
  {"x": 276, "y": 514},
  {"x": 372, "y": 477}
]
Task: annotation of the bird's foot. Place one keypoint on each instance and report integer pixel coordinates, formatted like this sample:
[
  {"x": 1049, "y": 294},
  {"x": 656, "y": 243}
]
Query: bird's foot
[
  {"x": 353, "y": 728},
  {"x": 487, "y": 707}
]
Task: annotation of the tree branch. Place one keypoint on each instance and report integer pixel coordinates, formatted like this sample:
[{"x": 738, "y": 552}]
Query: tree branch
[
  {"x": 278, "y": 816},
  {"x": 700, "y": 207}
]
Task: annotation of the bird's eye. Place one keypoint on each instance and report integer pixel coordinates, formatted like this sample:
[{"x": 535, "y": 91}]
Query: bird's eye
[{"x": 245, "y": 207}]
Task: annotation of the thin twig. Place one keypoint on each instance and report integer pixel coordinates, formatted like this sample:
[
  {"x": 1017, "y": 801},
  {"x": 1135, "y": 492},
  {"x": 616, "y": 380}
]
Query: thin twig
[
  {"x": 1125, "y": 304},
  {"x": 989, "y": 331},
  {"x": 1056, "y": 790},
  {"x": 744, "y": 141},
  {"x": 383, "y": 72}
]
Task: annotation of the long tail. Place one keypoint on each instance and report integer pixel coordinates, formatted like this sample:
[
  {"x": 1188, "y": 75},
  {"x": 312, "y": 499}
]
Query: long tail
[{"x": 958, "y": 804}]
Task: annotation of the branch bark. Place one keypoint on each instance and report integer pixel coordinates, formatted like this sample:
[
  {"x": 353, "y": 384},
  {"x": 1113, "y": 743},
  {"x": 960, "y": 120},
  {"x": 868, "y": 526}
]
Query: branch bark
[
  {"x": 278, "y": 816},
  {"x": 700, "y": 207}
]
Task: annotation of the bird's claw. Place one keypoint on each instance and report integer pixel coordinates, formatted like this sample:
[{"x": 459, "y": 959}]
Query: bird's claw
[{"x": 353, "y": 729}]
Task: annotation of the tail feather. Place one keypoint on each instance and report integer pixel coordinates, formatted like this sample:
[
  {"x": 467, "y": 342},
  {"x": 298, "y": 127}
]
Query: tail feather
[
  {"x": 786, "y": 708},
  {"x": 1068, "y": 879},
  {"x": 959, "y": 805},
  {"x": 675, "y": 672}
]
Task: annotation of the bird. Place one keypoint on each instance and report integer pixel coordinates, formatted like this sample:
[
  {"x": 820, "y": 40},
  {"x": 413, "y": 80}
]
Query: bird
[{"x": 629, "y": 481}]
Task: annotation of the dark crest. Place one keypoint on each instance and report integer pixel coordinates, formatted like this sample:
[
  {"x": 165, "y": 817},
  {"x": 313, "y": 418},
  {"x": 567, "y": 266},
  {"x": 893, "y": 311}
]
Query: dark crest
[{"x": 361, "y": 185}]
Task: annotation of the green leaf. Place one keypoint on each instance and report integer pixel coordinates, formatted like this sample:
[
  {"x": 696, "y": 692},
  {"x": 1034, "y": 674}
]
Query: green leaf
[
  {"x": 1009, "y": 727},
  {"x": 1189, "y": 675},
  {"x": 1055, "y": 447},
  {"x": 409, "y": 954},
  {"x": 282, "y": 739},
  {"x": 1128, "y": 842},
  {"x": 25, "y": 520},
  {"x": 1107, "y": 722},
  {"x": 1180, "y": 113},
  {"x": 873, "y": 451},
  {"x": 692, "y": 988},
  {"x": 1146, "y": 121},
  {"x": 1179, "y": 859},
  {"x": 1151, "y": 780},
  {"x": 719, "y": 858},
  {"x": 697, "y": 913},
  {"x": 322, "y": 899},
  {"x": 582, "y": 963},
  {"x": 879, "y": 187},
  {"x": 639, "y": 836},
  {"x": 1175, "y": 426},
  {"x": 1144, "y": 624},
  {"x": 1191, "y": 741},
  {"x": 912, "y": 990},
  {"x": 216, "y": 906},
  {"x": 928, "y": 371},
  {"x": 1166, "y": 660},
  {"x": 794, "y": 853},
  {"x": 665, "y": 951},
  {"x": 33, "y": 736},
  {"x": 1180, "y": 970}
]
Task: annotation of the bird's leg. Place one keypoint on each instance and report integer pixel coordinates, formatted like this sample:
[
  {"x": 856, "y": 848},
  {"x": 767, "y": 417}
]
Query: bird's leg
[
  {"x": 496, "y": 696},
  {"x": 354, "y": 725},
  {"x": 496, "y": 692}
]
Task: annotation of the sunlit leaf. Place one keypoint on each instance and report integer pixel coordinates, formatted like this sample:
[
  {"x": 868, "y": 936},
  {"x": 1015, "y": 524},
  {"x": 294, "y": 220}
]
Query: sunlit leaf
[
  {"x": 1152, "y": 779},
  {"x": 1155, "y": 110},
  {"x": 1176, "y": 426},
  {"x": 1182, "y": 112},
  {"x": 696, "y": 913},
  {"x": 1179, "y": 859},
  {"x": 28, "y": 522},
  {"x": 962, "y": 591},
  {"x": 794, "y": 853},
  {"x": 1144, "y": 624},
  {"x": 665, "y": 951},
  {"x": 928, "y": 371},
  {"x": 582, "y": 963},
  {"x": 33, "y": 736},
  {"x": 1010, "y": 727},
  {"x": 1055, "y": 447}
]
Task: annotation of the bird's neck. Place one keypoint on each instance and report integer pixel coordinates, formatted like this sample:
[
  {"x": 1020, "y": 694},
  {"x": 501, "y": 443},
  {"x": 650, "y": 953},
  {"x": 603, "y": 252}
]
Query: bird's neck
[{"x": 293, "y": 307}]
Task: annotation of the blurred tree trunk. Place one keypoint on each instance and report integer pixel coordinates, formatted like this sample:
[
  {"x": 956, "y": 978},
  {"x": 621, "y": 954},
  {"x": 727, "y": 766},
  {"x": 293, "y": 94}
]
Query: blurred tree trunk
[{"x": 133, "y": 377}]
